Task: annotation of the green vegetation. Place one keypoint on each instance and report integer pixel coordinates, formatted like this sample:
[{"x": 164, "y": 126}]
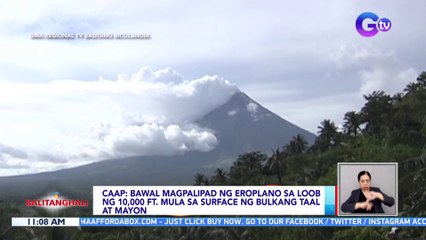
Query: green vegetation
[{"x": 386, "y": 129}]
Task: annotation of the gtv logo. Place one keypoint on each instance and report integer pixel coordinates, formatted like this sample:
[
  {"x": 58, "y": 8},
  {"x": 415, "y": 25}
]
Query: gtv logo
[{"x": 371, "y": 29}]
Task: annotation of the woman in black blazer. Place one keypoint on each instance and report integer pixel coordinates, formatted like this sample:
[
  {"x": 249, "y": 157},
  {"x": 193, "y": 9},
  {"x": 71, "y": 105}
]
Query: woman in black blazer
[{"x": 366, "y": 199}]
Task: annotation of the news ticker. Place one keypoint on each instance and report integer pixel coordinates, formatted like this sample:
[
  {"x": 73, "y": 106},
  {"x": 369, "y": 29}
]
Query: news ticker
[
  {"x": 214, "y": 200},
  {"x": 218, "y": 222}
]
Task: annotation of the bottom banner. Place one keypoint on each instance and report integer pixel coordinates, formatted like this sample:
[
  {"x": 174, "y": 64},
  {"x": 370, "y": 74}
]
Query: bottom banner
[{"x": 218, "y": 222}]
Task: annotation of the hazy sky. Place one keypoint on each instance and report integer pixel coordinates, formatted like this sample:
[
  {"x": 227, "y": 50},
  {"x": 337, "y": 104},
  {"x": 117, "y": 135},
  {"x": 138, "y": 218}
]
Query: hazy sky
[{"x": 68, "y": 102}]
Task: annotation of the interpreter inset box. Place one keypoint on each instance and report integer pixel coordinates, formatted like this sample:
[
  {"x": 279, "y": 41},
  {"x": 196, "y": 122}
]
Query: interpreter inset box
[{"x": 367, "y": 189}]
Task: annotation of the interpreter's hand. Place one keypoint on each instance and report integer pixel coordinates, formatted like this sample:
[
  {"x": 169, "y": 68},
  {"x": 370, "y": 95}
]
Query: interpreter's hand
[
  {"x": 369, "y": 206},
  {"x": 364, "y": 205},
  {"x": 374, "y": 195}
]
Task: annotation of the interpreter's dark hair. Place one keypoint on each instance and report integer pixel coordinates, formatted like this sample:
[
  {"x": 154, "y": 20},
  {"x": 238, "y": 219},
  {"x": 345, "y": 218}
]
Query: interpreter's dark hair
[{"x": 363, "y": 173}]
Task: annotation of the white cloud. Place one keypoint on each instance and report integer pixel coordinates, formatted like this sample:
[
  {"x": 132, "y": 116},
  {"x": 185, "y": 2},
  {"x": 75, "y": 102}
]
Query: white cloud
[
  {"x": 146, "y": 74},
  {"x": 376, "y": 69},
  {"x": 391, "y": 79},
  {"x": 70, "y": 122},
  {"x": 232, "y": 112},
  {"x": 185, "y": 140},
  {"x": 365, "y": 67},
  {"x": 306, "y": 72},
  {"x": 252, "y": 107}
]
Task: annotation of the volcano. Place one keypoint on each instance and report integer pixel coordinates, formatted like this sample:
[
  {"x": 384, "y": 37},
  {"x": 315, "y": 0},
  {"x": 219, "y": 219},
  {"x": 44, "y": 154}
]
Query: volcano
[{"x": 241, "y": 125}]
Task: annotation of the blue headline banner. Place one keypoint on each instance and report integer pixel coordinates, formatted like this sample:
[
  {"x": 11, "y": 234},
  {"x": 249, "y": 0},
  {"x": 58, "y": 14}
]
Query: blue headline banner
[{"x": 253, "y": 222}]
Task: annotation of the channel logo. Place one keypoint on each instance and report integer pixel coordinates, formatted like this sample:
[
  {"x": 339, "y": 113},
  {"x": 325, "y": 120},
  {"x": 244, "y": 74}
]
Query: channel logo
[
  {"x": 374, "y": 24},
  {"x": 56, "y": 195},
  {"x": 56, "y": 201}
]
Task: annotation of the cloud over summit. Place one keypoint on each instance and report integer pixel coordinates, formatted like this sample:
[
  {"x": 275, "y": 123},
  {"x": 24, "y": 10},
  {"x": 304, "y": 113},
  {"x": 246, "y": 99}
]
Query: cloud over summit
[{"x": 64, "y": 123}]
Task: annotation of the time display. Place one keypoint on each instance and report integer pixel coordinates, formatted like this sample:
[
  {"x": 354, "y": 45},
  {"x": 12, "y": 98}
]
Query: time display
[{"x": 46, "y": 221}]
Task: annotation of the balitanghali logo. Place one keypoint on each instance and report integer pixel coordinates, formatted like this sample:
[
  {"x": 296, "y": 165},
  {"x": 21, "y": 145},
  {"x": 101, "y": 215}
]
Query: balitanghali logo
[
  {"x": 373, "y": 24},
  {"x": 56, "y": 201}
]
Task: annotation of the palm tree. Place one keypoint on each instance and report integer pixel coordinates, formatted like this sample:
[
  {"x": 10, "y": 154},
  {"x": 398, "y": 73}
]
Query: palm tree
[
  {"x": 299, "y": 144},
  {"x": 327, "y": 129},
  {"x": 352, "y": 124},
  {"x": 248, "y": 169},
  {"x": 219, "y": 177},
  {"x": 327, "y": 135},
  {"x": 201, "y": 180},
  {"x": 274, "y": 164}
]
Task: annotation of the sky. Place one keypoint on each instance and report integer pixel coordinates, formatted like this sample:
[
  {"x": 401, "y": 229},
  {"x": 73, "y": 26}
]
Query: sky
[{"x": 65, "y": 103}]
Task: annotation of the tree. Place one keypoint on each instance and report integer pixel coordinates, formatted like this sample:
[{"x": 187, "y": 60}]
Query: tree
[
  {"x": 274, "y": 164},
  {"x": 420, "y": 84},
  {"x": 327, "y": 136},
  {"x": 220, "y": 177},
  {"x": 201, "y": 180},
  {"x": 377, "y": 111},
  {"x": 408, "y": 124},
  {"x": 352, "y": 124},
  {"x": 248, "y": 169},
  {"x": 297, "y": 145}
]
